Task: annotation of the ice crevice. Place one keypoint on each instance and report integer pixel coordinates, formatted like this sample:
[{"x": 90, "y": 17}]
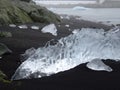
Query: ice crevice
[{"x": 86, "y": 46}]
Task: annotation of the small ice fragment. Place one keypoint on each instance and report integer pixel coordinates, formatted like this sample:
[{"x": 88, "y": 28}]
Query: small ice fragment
[
  {"x": 39, "y": 76},
  {"x": 51, "y": 28},
  {"x": 67, "y": 25},
  {"x": 35, "y": 27},
  {"x": 12, "y": 25},
  {"x": 61, "y": 17},
  {"x": 75, "y": 31},
  {"x": 23, "y": 27},
  {"x": 98, "y": 65}
]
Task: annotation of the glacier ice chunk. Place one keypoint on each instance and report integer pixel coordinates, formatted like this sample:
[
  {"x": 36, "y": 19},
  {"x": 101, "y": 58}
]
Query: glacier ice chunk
[
  {"x": 51, "y": 28},
  {"x": 71, "y": 51},
  {"x": 61, "y": 17},
  {"x": 75, "y": 31},
  {"x": 23, "y": 27},
  {"x": 12, "y": 25},
  {"x": 35, "y": 27},
  {"x": 67, "y": 25},
  {"x": 98, "y": 65}
]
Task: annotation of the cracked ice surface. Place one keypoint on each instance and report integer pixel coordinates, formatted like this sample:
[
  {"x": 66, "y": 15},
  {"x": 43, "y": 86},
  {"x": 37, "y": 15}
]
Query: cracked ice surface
[{"x": 75, "y": 49}]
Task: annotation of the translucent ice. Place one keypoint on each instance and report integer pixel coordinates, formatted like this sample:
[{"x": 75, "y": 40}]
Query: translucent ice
[
  {"x": 28, "y": 53},
  {"x": 12, "y": 25},
  {"x": 23, "y": 26},
  {"x": 75, "y": 49},
  {"x": 75, "y": 31},
  {"x": 67, "y": 25},
  {"x": 51, "y": 28},
  {"x": 98, "y": 65},
  {"x": 35, "y": 27}
]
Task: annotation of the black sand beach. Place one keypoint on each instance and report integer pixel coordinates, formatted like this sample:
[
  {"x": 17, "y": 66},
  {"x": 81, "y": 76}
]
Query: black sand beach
[{"x": 79, "y": 78}]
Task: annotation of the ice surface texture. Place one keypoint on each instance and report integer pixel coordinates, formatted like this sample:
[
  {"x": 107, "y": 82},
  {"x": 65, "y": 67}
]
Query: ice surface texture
[{"x": 75, "y": 49}]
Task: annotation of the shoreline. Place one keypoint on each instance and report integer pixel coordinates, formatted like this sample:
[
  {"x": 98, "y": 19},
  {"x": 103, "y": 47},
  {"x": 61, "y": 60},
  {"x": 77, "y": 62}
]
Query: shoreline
[{"x": 23, "y": 39}]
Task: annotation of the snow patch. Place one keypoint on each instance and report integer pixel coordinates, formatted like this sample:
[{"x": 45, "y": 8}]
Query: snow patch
[{"x": 51, "y": 28}]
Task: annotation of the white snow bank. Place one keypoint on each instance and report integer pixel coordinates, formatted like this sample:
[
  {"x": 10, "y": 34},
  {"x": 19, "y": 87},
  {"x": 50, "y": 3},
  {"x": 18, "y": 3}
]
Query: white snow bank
[
  {"x": 71, "y": 51},
  {"x": 98, "y": 65},
  {"x": 51, "y": 28}
]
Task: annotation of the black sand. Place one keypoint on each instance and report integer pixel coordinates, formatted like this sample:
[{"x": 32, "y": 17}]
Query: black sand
[{"x": 79, "y": 78}]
